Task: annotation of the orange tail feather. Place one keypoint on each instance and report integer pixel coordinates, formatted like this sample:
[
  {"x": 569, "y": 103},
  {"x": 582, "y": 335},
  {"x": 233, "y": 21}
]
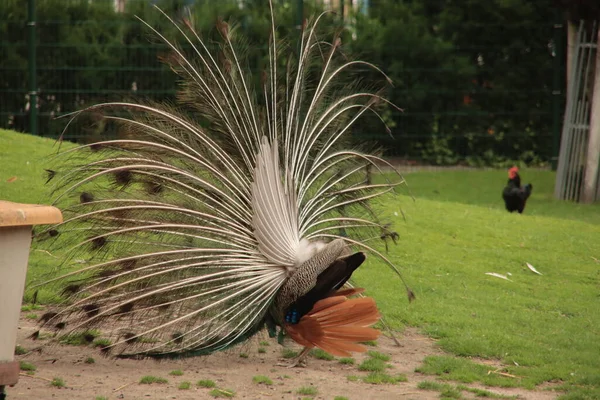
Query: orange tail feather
[
  {"x": 336, "y": 324},
  {"x": 349, "y": 292}
]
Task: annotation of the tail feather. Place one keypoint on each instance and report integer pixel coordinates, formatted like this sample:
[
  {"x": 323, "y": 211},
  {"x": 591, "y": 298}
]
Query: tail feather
[
  {"x": 345, "y": 333},
  {"x": 337, "y": 324},
  {"x": 327, "y": 303},
  {"x": 343, "y": 349}
]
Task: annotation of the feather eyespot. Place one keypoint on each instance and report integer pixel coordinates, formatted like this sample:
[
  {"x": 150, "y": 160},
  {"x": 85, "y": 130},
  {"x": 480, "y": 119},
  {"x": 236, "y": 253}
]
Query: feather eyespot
[
  {"x": 130, "y": 337},
  {"x": 123, "y": 177},
  {"x": 86, "y": 197},
  {"x": 91, "y": 310},
  {"x": 98, "y": 242}
]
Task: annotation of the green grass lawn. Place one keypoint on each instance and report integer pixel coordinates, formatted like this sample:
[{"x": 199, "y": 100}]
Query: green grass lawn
[
  {"x": 484, "y": 188},
  {"x": 24, "y": 157},
  {"x": 543, "y": 328}
]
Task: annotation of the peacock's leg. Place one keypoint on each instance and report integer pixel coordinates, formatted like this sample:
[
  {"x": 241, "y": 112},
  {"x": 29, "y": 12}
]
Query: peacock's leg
[{"x": 299, "y": 361}]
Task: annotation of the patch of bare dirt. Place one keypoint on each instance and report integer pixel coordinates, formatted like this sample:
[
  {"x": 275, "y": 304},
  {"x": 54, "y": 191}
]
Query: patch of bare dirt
[{"x": 119, "y": 379}]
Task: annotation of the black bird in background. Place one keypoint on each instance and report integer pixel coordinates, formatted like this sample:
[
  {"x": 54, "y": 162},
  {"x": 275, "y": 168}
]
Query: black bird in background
[{"x": 515, "y": 196}]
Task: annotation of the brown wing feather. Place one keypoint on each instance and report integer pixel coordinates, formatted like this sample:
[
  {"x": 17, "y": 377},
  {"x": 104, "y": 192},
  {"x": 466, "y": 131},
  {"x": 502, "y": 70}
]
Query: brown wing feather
[
  {"x": 336, "y": 324},
  {"x": 349, "y": 292}
]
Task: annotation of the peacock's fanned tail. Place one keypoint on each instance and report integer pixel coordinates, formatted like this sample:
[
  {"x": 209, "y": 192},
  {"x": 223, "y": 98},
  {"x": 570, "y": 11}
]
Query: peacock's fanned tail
[{"x": 182, "y": 229}]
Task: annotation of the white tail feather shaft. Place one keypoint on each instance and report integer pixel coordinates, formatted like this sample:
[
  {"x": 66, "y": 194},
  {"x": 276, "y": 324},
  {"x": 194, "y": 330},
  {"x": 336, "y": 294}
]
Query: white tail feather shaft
[{"x": 275, "y": 209}]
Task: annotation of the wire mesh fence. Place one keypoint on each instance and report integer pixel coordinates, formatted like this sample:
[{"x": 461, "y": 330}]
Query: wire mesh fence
[{"x": 89, "y": 52}]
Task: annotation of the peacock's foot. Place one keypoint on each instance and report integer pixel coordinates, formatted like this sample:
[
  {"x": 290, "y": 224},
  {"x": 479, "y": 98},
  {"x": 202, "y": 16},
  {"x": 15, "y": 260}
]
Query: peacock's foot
[
  {"x": 299, "y": 361},
  {"x": 296, "y": 363}
]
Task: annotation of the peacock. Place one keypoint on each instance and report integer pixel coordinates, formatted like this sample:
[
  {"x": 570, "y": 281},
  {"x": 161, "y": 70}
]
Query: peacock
[{"x": 238, "y": 207}]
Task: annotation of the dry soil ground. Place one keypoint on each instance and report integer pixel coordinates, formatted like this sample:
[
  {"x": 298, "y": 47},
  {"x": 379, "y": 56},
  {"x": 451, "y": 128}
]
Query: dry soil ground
[{"x": 119, "y": 379}]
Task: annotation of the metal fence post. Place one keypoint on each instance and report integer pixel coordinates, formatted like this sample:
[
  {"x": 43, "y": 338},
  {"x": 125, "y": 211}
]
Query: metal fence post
[{"x": 33, "y": 117}]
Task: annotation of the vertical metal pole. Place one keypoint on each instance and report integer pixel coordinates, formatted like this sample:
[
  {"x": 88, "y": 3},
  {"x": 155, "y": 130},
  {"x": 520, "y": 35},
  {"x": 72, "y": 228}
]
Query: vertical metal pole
[
  {"x": 557, "y": 86},
  {"x": 33, "y": 117}
]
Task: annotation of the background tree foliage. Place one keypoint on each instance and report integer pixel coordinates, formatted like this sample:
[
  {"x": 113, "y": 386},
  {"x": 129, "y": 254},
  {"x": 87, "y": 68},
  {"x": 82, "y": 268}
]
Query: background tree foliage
[{"x": 473, "y": 76}]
